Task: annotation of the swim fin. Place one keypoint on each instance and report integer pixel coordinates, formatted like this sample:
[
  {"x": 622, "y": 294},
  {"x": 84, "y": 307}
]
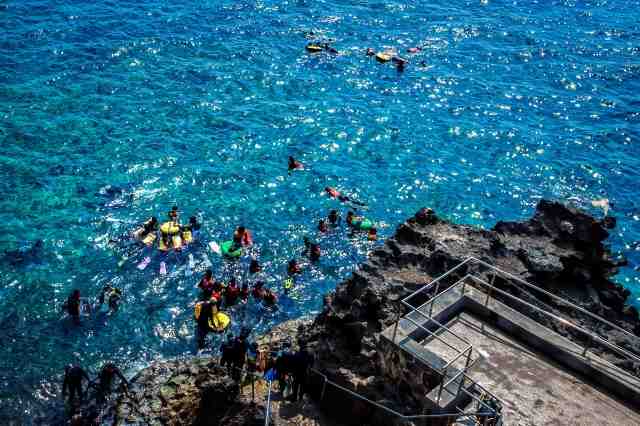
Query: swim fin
[
  {"x": 145, "y": 262},
  {"x": 215, "y": 247}
]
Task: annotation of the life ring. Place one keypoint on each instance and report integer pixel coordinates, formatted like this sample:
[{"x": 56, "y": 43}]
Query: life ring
[
  {"x": 365, "y": 225},
  {"x": 219, "y": 322},
  {"x": 226, "y": 247}
]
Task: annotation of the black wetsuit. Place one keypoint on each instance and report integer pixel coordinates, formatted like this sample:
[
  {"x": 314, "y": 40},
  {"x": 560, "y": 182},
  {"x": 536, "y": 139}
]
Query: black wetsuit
[
  {"x": 73, "y": 382},
  {"x": 105, "y": 379},
  {"x": 227, "y": 349},
  {"x": 240, "y": 347},
  {"x": 301, "y": 362},
  {"x": 283, "y": 367},
  {"x": 73, "y": 308},
  {"x": 206, "y": 312}
]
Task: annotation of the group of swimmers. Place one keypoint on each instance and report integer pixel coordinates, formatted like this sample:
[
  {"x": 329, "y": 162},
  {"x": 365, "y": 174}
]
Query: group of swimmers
[
  {"x": 217, "y": 295},
  {"x": 388, "y": 55},
  {"x": 172, "y": 234},
  {"x": 75, "y": 305},
  {"x": 211, "y": 312}
]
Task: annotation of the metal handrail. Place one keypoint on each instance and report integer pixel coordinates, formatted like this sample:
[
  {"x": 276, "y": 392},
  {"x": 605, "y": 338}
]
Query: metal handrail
[
  {"x": 556, "y": 297},
  {"x": 562, "y": 301},
  {"x": 449, "y": 272},
  {"x": 437, "y": 295},
  {"x": 426, "y": 362},
  {"x": 440, "y": 338},
  {"x": 268, "y": 408},
  {"x": 394, "y": 412},
  {"x": 590, "y": 334}
]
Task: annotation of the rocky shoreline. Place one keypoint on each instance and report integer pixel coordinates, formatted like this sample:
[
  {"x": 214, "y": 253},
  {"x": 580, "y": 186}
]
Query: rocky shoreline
[{"x": 559, "y": 248}]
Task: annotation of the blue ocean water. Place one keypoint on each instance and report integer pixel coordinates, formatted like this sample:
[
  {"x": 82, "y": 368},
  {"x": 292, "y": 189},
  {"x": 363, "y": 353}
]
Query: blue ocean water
[{"x": 113, "y": 111}]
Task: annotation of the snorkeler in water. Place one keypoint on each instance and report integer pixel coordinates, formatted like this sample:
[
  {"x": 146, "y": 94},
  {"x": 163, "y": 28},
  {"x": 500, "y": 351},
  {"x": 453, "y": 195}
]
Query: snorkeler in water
[
  {"x": 334, "y": 193},
  {"x": 294, "y": 164}
]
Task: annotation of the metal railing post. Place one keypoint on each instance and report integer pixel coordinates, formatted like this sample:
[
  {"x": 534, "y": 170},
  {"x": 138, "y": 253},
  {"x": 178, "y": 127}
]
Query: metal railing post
[
  {"x": 486, "y": 300},
  {"x": 395, "y": 331},
  {"x": 588, "y": 345},
  {"x": 324, "y": 387},
  {"x": 268, "y": 408},
  {"x": 253, "y": 391},
  {"x": 444, "y": 376},
  {"x": 433, "y": 299},
  {"x": 395, "y": 327}
]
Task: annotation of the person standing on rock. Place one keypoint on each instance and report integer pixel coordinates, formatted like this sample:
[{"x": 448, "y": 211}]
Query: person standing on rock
[
  {"x": 72, "y": 383},
  {"x": 240, "y": 347},
  {"x": 301, "y": 362},
  {"x": 227, "y": 353}
]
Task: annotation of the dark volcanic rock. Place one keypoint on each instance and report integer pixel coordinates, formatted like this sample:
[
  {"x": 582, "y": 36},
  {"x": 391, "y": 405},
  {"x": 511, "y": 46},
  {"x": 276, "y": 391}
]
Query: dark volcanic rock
[{"x": 559, "y": 248}]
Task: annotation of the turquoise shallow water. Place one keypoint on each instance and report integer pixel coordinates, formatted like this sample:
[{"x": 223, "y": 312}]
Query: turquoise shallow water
[{"x": 113, "y": 111}]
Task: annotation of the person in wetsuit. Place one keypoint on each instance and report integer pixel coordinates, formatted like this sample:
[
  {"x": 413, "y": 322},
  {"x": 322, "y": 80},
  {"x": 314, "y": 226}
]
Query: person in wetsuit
[
  {"x": 294, "y": 165},
  {"x": 72, "y": 306},
  {"x": 334, "y": 193},
  {"x": 73, "y": 376},
  {"x": 202, "y": 323},
  {"x": 227, "y": 353},
  {"x": 113, "y": 296},
  {"x": 105, "y": 380},
  {"x": 334, "y": 218},
  {"x": 302, "y": 361}
]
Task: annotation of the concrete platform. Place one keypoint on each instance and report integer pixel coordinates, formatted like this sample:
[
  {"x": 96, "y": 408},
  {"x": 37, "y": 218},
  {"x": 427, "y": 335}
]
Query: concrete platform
[{"x": 534, "y": 389}]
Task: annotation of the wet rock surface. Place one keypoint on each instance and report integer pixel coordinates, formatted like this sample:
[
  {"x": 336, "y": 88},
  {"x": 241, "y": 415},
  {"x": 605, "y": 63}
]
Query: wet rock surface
[{"x": 559, "y": 249}]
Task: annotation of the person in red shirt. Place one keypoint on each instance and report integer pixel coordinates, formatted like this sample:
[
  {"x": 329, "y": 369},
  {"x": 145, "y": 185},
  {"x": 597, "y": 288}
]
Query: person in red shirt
[
  {"x": 242, "y": 236},
  {"x": 207, "y": 284},
  {"x": 231, "y": 294},
  {"x": 258, "y": 291},
  {"x": 244, "y": 293}
]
